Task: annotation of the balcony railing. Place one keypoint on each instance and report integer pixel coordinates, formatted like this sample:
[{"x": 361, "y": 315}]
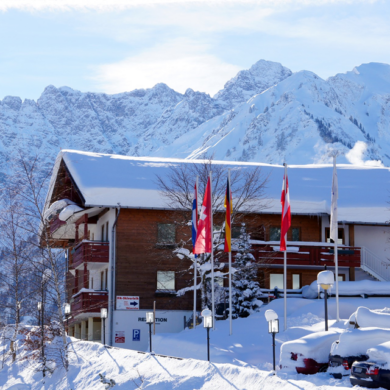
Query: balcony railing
[
  {"x": 89, "y": 302},
  {"x": 55, "y": 224},
  {"x": 317, "y": 254},
  {"x": 89, "y": 252}
]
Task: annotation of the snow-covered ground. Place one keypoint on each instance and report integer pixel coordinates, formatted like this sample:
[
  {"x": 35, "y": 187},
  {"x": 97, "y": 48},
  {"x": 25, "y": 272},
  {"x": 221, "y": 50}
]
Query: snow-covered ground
[{"x": 240, "y": 361}]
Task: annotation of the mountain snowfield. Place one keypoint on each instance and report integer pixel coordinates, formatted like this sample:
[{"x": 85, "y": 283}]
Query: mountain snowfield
[{"x": 264, "y": 114}]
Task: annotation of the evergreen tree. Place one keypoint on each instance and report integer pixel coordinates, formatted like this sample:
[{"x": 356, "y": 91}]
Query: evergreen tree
[{"x": 246, "y": 290}]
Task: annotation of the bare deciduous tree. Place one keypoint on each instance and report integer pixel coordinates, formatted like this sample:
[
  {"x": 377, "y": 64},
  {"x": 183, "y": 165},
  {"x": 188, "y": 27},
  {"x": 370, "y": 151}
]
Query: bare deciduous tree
[
  {"x": 31, "y": 180},
  {"x": 248, "y": 186}
]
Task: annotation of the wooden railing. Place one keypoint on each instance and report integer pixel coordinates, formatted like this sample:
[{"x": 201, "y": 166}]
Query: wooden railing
[
  {"x": 89, "y": 252},
  {"x": 317, "y": 254},
  {"x": 55, "y": 224},
  {"x": 89, "y": 302}
]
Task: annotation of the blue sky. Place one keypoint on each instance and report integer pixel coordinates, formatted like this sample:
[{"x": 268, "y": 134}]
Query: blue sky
[{"x": 92, "y": 46}]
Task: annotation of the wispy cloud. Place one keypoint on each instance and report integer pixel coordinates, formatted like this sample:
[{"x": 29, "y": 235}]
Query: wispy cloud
[
  {"x": 180, "y": 64},
  {"x": 125, "y": 4}
]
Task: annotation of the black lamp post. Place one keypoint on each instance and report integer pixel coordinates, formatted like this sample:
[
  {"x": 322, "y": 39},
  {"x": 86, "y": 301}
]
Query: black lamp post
[
  {"x": 326, "y": 280},
  {"x": 67, "y": 314},
  {"x": 273, "y": 327},
  {"x": 207, "y": 323},
  {"x": 18, "y": 306},
  {"x": 103, "y": 316},
  {"x": 150, "y": 320}
]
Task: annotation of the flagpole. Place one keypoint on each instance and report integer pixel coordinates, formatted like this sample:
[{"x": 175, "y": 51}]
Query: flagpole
[
  {"x": 195, "y": 265},
  {"x": 336, "y": 257},
  {"x": 285, "y": 286},
  {"x": 230, "y": 266},
  {"x": 285, "y": 260},
  {"x": 212, "y": 254}
]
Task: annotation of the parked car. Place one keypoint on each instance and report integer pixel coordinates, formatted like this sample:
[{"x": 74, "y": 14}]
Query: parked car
[
  {"x": 352, "y": 347},
  {"x": 309, "y": 354},
  {"x": 370, "y": 374}
]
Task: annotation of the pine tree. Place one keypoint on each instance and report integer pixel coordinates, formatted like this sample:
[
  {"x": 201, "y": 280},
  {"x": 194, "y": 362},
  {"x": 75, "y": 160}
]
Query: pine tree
[{"x": 246, "y": 290}]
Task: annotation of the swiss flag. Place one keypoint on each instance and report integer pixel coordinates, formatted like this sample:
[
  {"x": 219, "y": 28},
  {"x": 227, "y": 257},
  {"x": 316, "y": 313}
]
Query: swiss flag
[
  {"x": 286, "y": 212},
  {"x": 203, "y": 237}
]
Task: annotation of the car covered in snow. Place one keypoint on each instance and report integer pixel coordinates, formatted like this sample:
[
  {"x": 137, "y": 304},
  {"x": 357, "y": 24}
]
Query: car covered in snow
[
  {"x": 375, "y": 372},
  {"x": 309, "y": 354},
  {"x": 369, "y": 374},
  {"x": 352, "y": 346}
]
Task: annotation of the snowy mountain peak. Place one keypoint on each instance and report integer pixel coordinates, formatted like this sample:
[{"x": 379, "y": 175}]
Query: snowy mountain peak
[
  {"x": 247, "y": 83},
  {"x": 265, "y": 113}
]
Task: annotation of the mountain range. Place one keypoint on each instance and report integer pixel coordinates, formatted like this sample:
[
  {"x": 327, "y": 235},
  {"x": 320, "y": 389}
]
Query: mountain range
[{"x": 265, "y": 114}]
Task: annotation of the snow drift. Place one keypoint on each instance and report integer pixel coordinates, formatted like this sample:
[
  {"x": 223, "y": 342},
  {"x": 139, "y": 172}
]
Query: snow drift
[{"x": 368, "y": 287}]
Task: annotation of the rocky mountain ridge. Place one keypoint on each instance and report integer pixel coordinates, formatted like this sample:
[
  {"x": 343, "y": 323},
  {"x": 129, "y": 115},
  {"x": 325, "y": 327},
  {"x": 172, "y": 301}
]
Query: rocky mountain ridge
[{"x": 266, "y": 114}]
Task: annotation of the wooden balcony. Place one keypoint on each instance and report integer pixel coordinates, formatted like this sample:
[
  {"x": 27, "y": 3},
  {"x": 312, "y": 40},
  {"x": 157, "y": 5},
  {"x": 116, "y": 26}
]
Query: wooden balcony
[
  {"x": 315, "y": 254},
  {"x": 89, "y": 302},
  {"x": 89, "y": 252},
  {"x": 55, "y": 224}
]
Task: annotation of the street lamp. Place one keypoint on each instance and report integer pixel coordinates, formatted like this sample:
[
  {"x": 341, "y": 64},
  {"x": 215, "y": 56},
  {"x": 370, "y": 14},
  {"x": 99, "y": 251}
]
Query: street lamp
[
  {"x": 103, "y": 316},
  {"x": 39, "y": 310},
  {"x": 150, "y": 320},
  {"x": 67, "y": 314},
  {"x": 207, "y": 323},
  {"x": 325, "y": 279},
  {"x": 273, "y": 327},
  {"x": 18, "y": 306}
]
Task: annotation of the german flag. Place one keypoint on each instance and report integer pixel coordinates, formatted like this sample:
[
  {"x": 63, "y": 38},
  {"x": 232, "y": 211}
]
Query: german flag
[{"x": 228, "y": 219}]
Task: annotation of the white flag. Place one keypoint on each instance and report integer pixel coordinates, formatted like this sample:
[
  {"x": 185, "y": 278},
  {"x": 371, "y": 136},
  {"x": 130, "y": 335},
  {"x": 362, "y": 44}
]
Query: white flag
[{"x": 334, "y": 232}]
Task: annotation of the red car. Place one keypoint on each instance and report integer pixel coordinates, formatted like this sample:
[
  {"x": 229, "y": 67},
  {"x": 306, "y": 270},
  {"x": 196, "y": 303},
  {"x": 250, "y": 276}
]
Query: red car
[{"x": 309, "y": 354}]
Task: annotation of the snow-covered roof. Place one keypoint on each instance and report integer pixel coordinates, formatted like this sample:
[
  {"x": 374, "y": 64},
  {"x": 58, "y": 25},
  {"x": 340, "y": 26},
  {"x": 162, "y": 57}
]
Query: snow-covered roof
[{"x": 108, "y": 180}]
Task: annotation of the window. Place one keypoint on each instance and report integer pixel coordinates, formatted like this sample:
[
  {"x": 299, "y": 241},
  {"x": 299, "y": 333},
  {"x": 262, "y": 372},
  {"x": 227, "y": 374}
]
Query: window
[
  {"x": 236, "y": 231},
  {"x": 274, "y": 234},
  {"x": 91, "y": 283},
  {"x": 259, "y": 233},
  {"x": 166, "y": 233},
  {"x": 102, "y": 280},
  {"x": 296, "y": 281},
  {"x": 102, "y": 237},
  {"x": 276, "y": 280},
  {"x": 341, "y": 278},
  {"x": 107, "y": 231},
  {"x": 340, "y": 235},
  {"x": 165, "y": 280},
  {"x": 295, "y": 234},
  {"x": 106, "y": 280}
]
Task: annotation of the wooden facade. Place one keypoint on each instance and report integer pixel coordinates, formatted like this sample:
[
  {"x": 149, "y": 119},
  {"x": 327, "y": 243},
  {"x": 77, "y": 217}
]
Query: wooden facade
[{"x": 140, "y": 254}]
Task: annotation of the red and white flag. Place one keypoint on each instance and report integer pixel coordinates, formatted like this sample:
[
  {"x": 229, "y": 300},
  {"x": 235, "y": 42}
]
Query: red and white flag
[
  {"x": 286, "y": 212},
  {"x": 203, "y": 237}
]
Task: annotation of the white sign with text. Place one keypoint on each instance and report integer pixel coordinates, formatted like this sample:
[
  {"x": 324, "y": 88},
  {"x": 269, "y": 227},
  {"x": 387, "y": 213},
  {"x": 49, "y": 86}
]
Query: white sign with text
[{"x": 127, "y": 303}]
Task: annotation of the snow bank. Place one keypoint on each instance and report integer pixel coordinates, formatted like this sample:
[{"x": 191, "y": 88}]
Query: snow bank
[
  {"x": 56, "y": 207},
  {"x": 355, "y": 342},
  {"x": 368, "y": 287},
  {"x": 368, "y": 318},
  {"x": 68, "y": 211},
  {"x": 314, "y": 346}
]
